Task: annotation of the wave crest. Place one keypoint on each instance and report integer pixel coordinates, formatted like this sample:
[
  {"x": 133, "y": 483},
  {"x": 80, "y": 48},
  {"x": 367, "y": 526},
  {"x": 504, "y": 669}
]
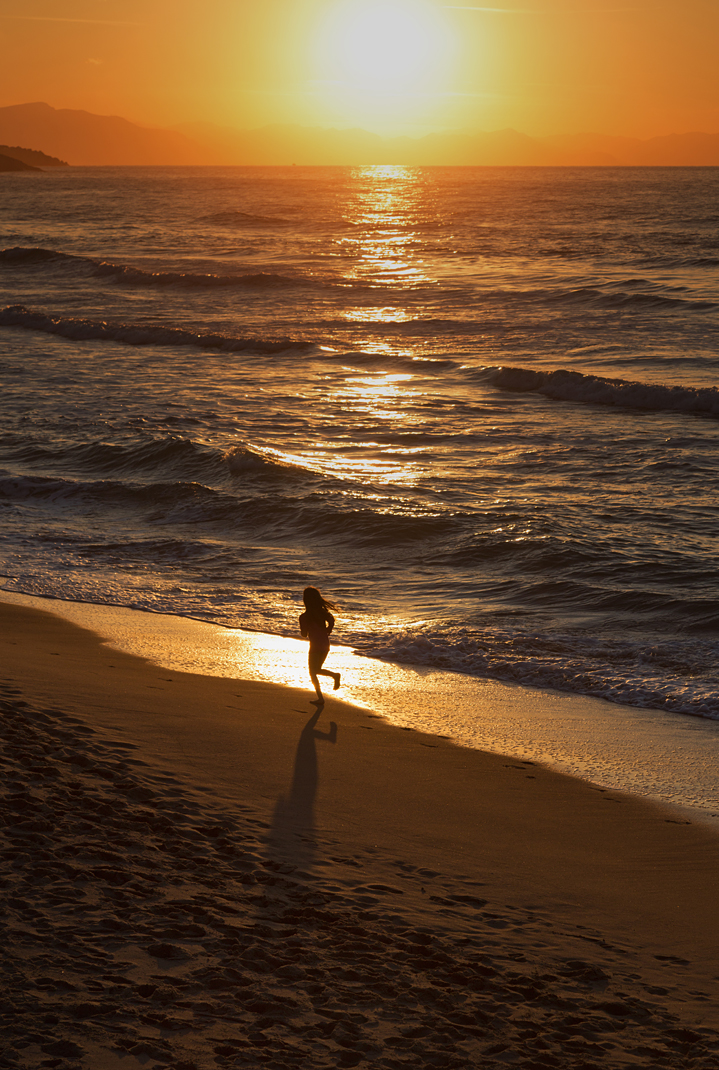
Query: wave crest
[
  {"x": 137, "y": 277},
  {"x": 21, "y": 255},
  {"x": 565, "y": 385},
  {"x": 139, "y": 334}
]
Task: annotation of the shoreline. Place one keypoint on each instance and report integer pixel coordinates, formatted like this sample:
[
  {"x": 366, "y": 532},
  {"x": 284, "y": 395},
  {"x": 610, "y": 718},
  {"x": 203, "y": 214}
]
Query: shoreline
[
  {"x": 220, "y": 874},
  {"x": 667, "y": 758}
]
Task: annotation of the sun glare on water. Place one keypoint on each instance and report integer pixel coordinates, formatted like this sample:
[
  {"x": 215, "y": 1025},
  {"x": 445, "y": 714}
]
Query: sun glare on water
[{"x": 375, "y": 55}]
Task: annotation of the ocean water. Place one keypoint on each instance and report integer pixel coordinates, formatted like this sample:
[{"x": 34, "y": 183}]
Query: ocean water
[{"x": 477, "y": 407}]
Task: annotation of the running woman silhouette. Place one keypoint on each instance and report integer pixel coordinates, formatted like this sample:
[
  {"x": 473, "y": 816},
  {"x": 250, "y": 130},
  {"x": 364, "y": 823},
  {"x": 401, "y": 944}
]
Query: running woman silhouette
[{"x": 316, "y": 623}]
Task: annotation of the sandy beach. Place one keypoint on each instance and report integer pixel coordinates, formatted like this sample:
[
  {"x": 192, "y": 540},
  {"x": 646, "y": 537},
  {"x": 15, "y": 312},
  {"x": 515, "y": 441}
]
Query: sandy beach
[{"x": 203, "y": 872}]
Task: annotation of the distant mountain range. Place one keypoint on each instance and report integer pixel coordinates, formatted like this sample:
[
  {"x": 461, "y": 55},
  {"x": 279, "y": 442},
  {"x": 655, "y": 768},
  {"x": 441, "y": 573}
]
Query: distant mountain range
[{"x": 83, "y": 138}]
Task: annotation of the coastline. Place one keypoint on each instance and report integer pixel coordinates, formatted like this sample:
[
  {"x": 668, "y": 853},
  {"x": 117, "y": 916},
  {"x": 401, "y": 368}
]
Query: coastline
[
  {"x": 178, "y": 827},
  {"x": 668, "y": 758}
]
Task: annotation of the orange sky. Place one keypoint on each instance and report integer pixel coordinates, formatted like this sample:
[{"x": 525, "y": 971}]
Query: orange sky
[{"x": 397, "y": 66}]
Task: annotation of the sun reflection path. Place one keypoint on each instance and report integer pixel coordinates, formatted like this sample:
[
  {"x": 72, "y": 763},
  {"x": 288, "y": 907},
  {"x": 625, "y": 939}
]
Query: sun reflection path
[
  {"x": 380, "y": 468},
  {"x": 389, "y": 206},
  {"x": 383, "y": 388},
  {"x": 380, "y": 402},
  {"x": 390, "y": 314}
]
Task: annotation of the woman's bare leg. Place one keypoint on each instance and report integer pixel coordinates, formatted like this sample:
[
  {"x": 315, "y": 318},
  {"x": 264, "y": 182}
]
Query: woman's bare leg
[{"x": 315, "y": 661}]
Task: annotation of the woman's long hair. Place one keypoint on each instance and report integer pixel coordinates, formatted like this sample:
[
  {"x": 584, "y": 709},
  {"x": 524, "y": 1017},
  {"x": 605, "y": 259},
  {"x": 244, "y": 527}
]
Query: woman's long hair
[{"x": 315, "y": 603}]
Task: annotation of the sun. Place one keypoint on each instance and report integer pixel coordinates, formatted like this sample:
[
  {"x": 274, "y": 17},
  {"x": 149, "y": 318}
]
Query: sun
[
  {"x": 382, "y": 45},
  {"x": 372, "y": 52}
]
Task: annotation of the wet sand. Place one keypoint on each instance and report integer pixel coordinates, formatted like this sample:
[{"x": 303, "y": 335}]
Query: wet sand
[
  {"x": 655, "y": 754},
  {"x": 203, "y": 872}
]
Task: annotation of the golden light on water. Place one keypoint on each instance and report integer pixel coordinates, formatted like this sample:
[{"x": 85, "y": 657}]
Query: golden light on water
[
  {"x": 384, "y": 388},
  {"x": 377, "y": 399},
  {"x": 386, "y": 196},
  {"x": 384, "y": 171},
  {"x": 387, "y": 211},
  {"x": 379, "y": 471},
  {"x": 377, "y": 315},
  {"x": 380, "y": 260}
]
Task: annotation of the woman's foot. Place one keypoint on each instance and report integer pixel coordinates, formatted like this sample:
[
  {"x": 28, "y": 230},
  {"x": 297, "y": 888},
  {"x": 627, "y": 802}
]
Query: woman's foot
[
  {"x": 317, "y": 701},
  {"x": 337, "y": 681}
]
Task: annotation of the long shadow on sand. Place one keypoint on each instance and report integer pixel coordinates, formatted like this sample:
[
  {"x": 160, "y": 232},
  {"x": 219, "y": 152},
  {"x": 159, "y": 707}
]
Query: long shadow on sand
[{"x": 291, "y": 837}]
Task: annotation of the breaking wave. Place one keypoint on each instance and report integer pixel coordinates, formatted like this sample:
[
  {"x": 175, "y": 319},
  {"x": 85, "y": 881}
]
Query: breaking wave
[
  {"x": 138, "y": 277},
  {"x": 140, "y": 334},
  {"x": 160, "y": 459},
  {"x": 166, "y": 457},
  {"x": 229, "y": 509},
  {"x": 565, "y": 385},
  {"x": 134, "y": 276},
  {"x": 675, "y": 675},
  {"x": 629, "y": 295},
  {"x": 189, "y": 280}
]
